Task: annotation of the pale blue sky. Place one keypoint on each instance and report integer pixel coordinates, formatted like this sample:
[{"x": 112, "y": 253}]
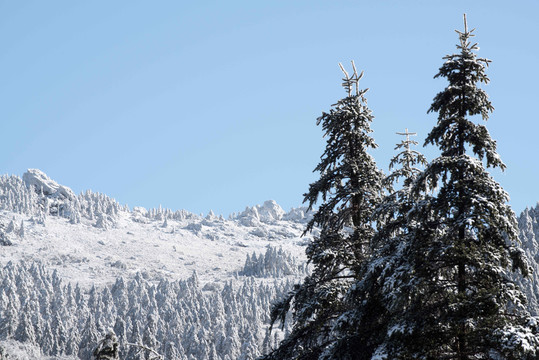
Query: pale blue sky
[{"x": 212, "y": 104}]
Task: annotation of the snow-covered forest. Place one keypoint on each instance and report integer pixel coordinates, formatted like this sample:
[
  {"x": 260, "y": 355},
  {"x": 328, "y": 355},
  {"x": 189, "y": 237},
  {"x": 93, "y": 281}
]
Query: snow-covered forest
[
  {"x": 188, "y": 286},
  {"x": 425, "y": 262}
]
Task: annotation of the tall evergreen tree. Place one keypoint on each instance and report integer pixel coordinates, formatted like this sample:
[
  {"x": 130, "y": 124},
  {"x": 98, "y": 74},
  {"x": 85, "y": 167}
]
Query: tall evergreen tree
[
  {"x": 350, "y": 187},
  {"x": 456, "y": 300},
  {"x": 361, "y": 329}
]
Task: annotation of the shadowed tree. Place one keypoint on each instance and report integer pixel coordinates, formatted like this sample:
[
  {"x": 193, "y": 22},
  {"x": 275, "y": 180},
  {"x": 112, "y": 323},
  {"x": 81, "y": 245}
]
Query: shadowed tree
[
  {"x": 453, "y": 298},
  {"x": 373, "y": 300},
  {"x": 350, "y": 188}
]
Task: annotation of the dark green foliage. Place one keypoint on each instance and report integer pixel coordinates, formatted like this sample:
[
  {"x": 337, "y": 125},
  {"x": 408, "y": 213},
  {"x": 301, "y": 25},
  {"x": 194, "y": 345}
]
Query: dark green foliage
[
  {"x": 374, "y": 301},
  {"x": 407, "y": 159},
  {"x": 460, "y": 241},
  {"x": 350, "y": 187}
]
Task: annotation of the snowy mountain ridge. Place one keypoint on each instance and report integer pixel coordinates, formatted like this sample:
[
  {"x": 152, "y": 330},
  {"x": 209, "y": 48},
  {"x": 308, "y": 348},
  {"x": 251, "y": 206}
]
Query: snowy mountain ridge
[
  {"x": 190, "y": 286},
  {"x": 91, "y": 238}
]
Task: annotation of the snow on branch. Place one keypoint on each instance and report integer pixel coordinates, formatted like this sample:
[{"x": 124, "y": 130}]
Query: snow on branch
[{"x": 155, "y": 355}]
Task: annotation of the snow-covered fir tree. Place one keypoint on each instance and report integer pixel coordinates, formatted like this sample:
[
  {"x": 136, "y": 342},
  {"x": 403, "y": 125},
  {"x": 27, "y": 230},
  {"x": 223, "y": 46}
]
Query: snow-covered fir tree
[
  {"x": 451, "y": 296},
  {"x": 21, "y": 230},
  {"x": 362, "y": 327},
  {"x": 350, "y": 187}
]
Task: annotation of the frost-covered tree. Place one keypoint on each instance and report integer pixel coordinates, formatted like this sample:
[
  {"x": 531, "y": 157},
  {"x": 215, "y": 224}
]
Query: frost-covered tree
[
  {"x": 405, "y": 164},
  {"x": 149, "y": 334},
  {"x": 8, "y": 321},
  {"x": 89, "y": 337},
  {"x": 10, "y": 227},
  {"x": 25, "y": 330},
  {"x": 451, "y": 296},
  {"x": 363, "y": 326},
  {"x": 350, "y": 187},
  {"x": 21, "y": 230}
]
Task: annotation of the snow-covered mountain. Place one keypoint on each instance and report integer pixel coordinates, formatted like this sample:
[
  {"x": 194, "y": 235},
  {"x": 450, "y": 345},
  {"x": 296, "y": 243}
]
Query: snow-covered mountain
[
  {"x": 91, "y": 239},
  {"x": 190, "y": 286}
]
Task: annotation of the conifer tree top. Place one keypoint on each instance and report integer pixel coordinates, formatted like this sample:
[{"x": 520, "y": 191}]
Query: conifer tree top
[
  {"x": 407, "y": 158},
  {"x": 462, "y": 99}
]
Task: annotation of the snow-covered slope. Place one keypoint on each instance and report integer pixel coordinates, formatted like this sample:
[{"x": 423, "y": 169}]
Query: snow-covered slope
[{"x": 90, "y": 242}]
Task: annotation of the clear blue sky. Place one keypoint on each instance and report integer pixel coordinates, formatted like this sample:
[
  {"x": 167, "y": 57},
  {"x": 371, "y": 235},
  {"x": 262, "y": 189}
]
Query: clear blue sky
[{"x": 203, "y": 105}]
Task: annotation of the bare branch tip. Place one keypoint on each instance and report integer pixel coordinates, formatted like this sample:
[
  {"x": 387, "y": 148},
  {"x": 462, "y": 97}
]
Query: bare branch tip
[
  {"x": 354, "y": 67},
  {"x": 344, "y": 71}
]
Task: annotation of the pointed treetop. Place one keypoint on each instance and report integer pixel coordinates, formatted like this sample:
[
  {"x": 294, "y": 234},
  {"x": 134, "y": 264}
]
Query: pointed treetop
[
  {"x": 408, "y": 159},
  {"x": 407, "y": 142},
  {"x": 464, "y": 36},
  {"x": 350, "y": 81},
  {"x": 466, "y": 32}
]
